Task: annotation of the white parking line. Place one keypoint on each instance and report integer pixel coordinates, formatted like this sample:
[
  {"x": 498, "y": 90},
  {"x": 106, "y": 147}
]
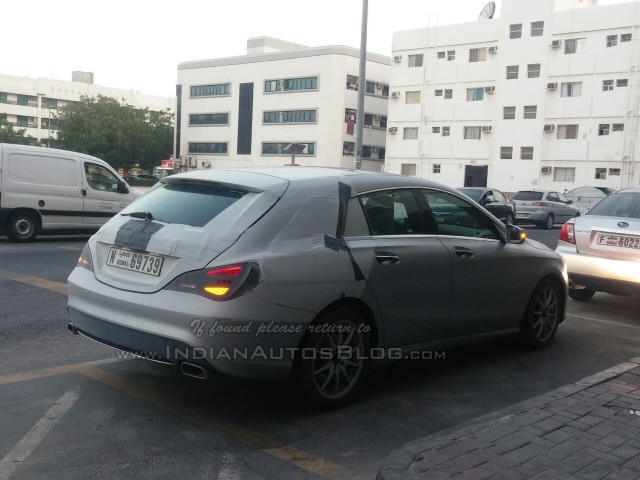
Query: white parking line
[
  {"x": 18, "y": 454},
  {"x": 601, "y": 320}
]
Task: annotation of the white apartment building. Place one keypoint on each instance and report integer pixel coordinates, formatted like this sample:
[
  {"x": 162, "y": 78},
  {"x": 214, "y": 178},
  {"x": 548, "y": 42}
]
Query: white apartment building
[
  {"x": 546, "y": 96},
  {"x": 33, "y": 103},
  {"x": 246, "y": 110}
]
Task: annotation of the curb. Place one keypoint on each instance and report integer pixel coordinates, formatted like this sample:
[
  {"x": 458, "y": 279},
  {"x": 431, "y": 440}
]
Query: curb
[{"x": 396, "y": 465}]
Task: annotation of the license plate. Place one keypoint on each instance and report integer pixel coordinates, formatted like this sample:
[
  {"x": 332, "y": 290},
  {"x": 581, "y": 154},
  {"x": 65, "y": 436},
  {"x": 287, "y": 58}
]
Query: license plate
[
  {"x": 618, "y": 241},
  {"x": 522, "y": 215},
  {"x": 138, "y": 262}
]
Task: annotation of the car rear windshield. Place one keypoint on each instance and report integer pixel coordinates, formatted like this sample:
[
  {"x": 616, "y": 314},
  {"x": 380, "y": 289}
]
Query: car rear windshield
[
  {"x": 625, "y": 205},
  {"x": 472, "y": 193},
  {"x": 186, "y": 203},
  {"x": 527, "y": 196}
]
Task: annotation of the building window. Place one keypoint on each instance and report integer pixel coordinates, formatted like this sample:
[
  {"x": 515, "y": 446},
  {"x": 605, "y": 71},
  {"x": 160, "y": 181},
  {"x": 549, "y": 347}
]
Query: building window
[
  {"x": 574, "y": 45},
  {"x": 372, "y": 120},
  {"x": 413, "y": 97},
  {"x": 472, "y": 133},
  {"x": 618, "y": 127},
  {"x": 533, "y": 70},
  {"x": 526, "y": 153},
  {"x": 612, "y": 40},
  {"x": 601, "y": 174},
  {"x": 436, "y": 168},
  {"x": 277, "y": 149},
  {"x": 614, "y": 172},
  {"x": 622, "y": 82},
  {"x": 218, "y": 90},
  {"x": 446, "y": 131},
  {"x": 289, "y": 84},
  {"x": 512, "y": 72},
  {"x": 571, "y": 89},
  {"x": 416, "y": 60},
  {"x": 408, "y": 169},
  {"x": 515, "y": 30},
  {"x": 376, "y": 88},
  {"x": 448, "y": 94},
  {"x": 567, "y": 132},
  {"x": 438, "y": 93},
  {"x": 509, "y": 113},
  {"x": 625, "y": 37},
  {"x": 441, "y": 54},
  {"x": 478, "y": 54},
  {"x": 537, "y": 29},
  {"x": 475, "y": 94},
  {"x": 435, "y": 129},
  {"x": 607, "y": 85},
  {"x": 290, "y": 116},
  {"x": 212, "y": 148},
  {"x": 410, "y": 133},
  {"x": 530, "y": 112},
  {"x": 506, "y": 153},
  {"x": 564, "y": 174},
  {"x": 209, "y": 119},
  {"x": 352, "y": 82},
  {"x": 451, "y": 55},
  {"x": 23, "y": 100},
  {"x": 603, "y": 129}
]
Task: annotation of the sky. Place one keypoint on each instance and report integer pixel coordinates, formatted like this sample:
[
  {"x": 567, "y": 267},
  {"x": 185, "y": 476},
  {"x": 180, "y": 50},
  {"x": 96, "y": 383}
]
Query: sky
[{"x": 138, "y": 44}]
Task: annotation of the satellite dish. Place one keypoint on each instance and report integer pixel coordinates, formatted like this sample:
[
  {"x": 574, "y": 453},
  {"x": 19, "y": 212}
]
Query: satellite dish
[{"x": 488, "y": 11}]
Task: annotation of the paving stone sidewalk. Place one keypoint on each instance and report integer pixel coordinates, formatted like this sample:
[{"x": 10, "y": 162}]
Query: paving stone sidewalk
[{"x": 587, "y": 430}]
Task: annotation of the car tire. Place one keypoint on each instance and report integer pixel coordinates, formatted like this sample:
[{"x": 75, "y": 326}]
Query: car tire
[
  {"x": 23, "y": 227},
  {"x": 549, "y": 221},
  {"x": 510, "y": 220},
  {"x": 581, "y": 294},
  {"x": 543, "y": 314},
  {"x": 331, "y": 383}
]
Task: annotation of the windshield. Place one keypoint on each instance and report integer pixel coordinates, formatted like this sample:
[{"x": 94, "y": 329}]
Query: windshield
[
  {"x": 527, "y": 196},
  {"x": 186, "y": 203},
  {"x": 472, "y": 193},
  {"x": 625, "y": 205}
]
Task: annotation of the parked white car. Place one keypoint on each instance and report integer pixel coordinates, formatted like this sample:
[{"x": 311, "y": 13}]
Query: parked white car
[{"x": 586, "y": 197}]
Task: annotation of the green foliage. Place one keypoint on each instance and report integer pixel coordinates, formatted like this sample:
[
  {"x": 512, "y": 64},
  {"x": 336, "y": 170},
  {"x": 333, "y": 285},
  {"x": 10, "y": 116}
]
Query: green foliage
[
  {"x": 116, "y": 132},
  {"x": 9, "y": 135}
]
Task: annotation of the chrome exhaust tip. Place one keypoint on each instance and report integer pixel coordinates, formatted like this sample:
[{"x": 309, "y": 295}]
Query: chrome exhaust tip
[{"x": 193, "y": 370}]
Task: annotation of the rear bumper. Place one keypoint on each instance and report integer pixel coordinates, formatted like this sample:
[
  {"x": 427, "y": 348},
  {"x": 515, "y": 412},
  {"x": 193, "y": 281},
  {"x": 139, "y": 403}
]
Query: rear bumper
[
  {"x": 609, "y": 275},
  {"x": 170, "y": 327},
  {"x": 536, "y": 216}
]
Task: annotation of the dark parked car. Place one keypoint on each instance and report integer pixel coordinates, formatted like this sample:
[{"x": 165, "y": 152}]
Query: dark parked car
[{"x": 493, "y": 200}]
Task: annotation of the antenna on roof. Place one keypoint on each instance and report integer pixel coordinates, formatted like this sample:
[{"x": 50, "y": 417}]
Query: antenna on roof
[{"x": 488, "y": 11}]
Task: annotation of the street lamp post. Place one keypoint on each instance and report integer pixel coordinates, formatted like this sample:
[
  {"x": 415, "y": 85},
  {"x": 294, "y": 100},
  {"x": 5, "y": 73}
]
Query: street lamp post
[
  {"x": 49, "y": 133},
  {"x": 362, "y": 84}
]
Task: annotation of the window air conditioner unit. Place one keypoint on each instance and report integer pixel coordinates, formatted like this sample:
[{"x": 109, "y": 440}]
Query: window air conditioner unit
[
  {"x": 493, "y": 49},
  {"x": 552, "y": 85},
  {"x": 379, "y": 86},
  {"x": 487, "y": 129},
  {"x": 556, "y": 43},
  {"x": 395, "y": 94},
  {"x": 549, "y": 128},
  {"x": 393, "y": 129},
  {"x": 545, "y": 170},
  {"x": 490, "y": 89},
  {"x": 376, "y": 117},
  {"x": 397, "y": 58}
]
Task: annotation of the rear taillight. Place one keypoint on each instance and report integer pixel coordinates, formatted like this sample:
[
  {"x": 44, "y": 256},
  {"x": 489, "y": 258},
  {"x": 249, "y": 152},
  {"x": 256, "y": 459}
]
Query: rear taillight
[
  {"x": 219, "y": 283},
  {"x": 539, "y": 204},
  {"x": 567, "y": 233},
  {"x": 84, "y": 260}
]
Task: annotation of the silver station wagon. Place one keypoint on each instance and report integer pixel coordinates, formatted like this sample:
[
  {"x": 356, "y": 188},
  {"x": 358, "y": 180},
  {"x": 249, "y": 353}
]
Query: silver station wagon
[{"x": 314, "y": 272}]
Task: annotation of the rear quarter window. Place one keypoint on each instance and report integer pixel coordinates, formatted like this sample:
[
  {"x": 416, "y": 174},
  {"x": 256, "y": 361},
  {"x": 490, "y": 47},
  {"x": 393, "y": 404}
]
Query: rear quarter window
[{"x": 527, "y": 196}]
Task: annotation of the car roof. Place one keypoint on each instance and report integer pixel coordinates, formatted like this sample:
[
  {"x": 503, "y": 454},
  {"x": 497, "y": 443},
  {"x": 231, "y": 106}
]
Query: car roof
[{"x": 359, "y": 180}]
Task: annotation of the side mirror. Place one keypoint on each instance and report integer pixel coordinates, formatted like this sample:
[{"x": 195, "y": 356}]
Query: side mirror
[
  {"x": 514, "y": 235},
  {"x": 570, "y": 202},
  {"x": 122, "y": 188}
]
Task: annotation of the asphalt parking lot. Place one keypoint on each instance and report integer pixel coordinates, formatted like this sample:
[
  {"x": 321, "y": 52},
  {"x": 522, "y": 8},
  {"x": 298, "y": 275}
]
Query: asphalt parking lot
[{"x": 72, "y": 409}]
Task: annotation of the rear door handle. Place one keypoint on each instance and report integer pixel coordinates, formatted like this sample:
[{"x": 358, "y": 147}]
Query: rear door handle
[
  {"x": 463, "y": 252},
  {"x": 387, "y": 258}
]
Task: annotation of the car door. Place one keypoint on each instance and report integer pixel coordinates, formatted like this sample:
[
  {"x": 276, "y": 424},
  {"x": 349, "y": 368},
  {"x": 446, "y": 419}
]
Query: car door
[
  {"x": 568, "y": 210},
  {"x": 101, "y": 197},
  {"x": 406, "y": 268},
  {"x": 486, "y": 290}
]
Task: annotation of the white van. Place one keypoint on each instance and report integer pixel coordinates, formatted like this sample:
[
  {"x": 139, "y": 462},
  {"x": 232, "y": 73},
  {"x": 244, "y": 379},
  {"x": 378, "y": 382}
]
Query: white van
[{"x": 44, "y": 189}]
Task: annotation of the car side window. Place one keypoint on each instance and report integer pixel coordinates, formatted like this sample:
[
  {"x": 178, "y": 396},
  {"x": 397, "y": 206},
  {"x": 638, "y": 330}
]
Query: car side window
[
  {"x": 553, "y": 197},
  {"x": 562, "y": 198},
  {"x": 393, "y": 212},
  {"x": 456, "y": 217},
  {"x": 499, "y": 196},
  {"x": 355, "y": 223},
  {"x": 100, "y": 178},
  {"x": 489, "y": 197}
]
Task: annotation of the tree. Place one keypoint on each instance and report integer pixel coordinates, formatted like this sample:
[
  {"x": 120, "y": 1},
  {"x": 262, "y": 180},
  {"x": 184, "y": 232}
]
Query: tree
[
  {"x": 116, "y": 132},
  {"x": 9, "y": 135}
]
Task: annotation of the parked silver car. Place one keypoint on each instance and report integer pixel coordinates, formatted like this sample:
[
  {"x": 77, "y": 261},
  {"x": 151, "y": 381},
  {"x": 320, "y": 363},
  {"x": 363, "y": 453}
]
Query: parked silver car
[
  {"x": 602, "y": 247},
  {"x": 264, "y": 272},
  {"x": 543, "y": 208}
]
